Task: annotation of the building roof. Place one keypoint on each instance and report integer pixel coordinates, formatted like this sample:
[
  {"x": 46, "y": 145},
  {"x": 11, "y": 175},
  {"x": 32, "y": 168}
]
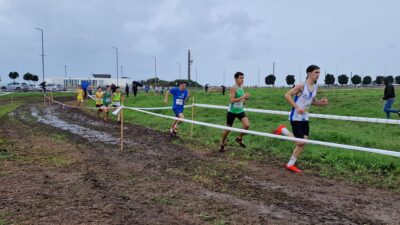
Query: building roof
[{"x": 101, "y": 75}]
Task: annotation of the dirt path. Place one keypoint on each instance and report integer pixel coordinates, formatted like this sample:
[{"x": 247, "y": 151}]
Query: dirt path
[{"x": 63, "y": 166}]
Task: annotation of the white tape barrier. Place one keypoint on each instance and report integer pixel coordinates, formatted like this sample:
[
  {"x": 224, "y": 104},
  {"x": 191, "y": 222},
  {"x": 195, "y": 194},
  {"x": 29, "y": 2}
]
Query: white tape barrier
[
  {"x": 5, "y": 93},
  {"x": 321, "y": 116},
  {"x": 350, "y": 147}
]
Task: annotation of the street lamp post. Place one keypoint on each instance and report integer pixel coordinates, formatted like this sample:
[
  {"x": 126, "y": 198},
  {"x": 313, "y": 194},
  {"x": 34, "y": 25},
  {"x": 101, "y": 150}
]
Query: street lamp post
[
  {"x": 155, "y": 70},
  {"x": 116, "y": 52},
  {"x": 65, "y": 71},
  {"x": 41, "y": 30}
]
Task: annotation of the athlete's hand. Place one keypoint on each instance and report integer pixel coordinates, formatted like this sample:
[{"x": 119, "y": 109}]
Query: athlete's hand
[
  {"x": 324, "y": 101},
  {"x": 246, "y": 96},
  {"x": 300, "y": 110}
]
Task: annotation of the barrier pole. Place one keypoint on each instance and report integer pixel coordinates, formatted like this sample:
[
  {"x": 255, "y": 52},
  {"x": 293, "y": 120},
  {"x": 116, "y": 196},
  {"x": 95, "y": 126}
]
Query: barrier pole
[
  {"x": 122, "y": 125},
  {"x": 191, "y": 129},
  {"x": 51, "y": 97}
]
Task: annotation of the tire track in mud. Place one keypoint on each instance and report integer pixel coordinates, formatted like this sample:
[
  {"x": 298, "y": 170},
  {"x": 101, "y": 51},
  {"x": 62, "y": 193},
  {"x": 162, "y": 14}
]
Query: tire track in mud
[{"x": 156, "y": 181}]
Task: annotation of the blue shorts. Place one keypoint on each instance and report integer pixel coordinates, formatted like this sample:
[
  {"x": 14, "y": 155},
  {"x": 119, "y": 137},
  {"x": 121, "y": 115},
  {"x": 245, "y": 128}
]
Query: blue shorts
[{"x": 177, "y": 111}]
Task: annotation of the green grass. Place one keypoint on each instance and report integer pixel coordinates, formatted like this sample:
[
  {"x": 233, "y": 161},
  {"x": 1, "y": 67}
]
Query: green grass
[
  {"x": 5, "y": 109},
  {"x": 359, "y": 167}
]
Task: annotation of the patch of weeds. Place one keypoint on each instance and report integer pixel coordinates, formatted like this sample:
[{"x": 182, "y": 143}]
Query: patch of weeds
[
  {"x": 162, "y": 200},
  {"x": 207, "y": 217},
  {"x": 219, "y": 222},
  {"x": 6, "y": 155},
  {"x": 3, "y": 215},
  {"x": 57, "y": 161},
  {"x": 58, "y": 136}
]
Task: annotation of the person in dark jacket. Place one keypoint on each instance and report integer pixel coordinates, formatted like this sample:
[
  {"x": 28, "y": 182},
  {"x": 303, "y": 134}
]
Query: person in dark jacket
[
  {"x": 127, "y": 90},
  {"x": 389, "y": 96},
  {"x": 134, "y": 89}
]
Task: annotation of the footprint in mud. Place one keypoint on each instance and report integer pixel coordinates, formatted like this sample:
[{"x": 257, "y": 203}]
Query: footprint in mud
[{"x": 52, "y": 119}]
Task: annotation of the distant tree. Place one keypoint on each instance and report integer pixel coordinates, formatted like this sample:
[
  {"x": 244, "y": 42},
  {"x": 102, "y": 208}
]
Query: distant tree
[
  {"x": 28, "y": 77},
  {"x": 389, "y": 79},
  {"x": 356, "y": 79},
  {"x": 13, "y": 75},
  {"x": 35, "y": 78},
  {"x": 378, "y": 80},
  {"x": 397, "y": 80},
  {"x": 329, "y": 79},
  {"x": 290, "y": 79},
  {"x": 270, "y": 79},
  {"x": 367, "y": 80},
  {"x": 343, "y": 79}
]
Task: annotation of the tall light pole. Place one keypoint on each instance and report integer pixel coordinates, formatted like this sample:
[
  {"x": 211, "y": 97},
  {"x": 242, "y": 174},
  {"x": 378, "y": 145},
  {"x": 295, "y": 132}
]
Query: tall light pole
[
  {"x": 41, "y": 30},
  {"x": 155, "y": 70},
  {"x": 179, "y": 70},
  {"x": 122, "y": 71},
  {"x": 116, "y": 51},
  {"x": 65, "y": 71}
]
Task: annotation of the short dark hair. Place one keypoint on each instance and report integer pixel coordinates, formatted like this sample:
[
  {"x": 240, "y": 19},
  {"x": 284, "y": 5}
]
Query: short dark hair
[
  {"x": 237, "y": 74},
  {"x": 312, "y": 68}
]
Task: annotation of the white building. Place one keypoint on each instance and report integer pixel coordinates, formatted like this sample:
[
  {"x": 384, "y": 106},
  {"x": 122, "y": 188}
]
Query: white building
[{"x": 96, "y": 80}]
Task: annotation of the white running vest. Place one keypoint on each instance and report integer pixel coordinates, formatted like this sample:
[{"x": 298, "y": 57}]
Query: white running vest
[{"x": 304, "y": 101}]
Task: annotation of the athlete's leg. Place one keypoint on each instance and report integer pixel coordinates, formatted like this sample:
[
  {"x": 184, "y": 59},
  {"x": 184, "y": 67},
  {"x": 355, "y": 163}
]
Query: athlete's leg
[{"x": 246, "y": 126}]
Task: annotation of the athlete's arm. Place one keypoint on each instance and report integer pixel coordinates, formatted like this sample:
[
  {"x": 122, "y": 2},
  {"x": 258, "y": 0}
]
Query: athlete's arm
[
  {"x": 166, "y": 96},
  {"x": 232, "y": 96},
  {"x": 187, "y": 97},
  {"x": 293, "y": 92},
  {"x": 321, "y": 102}
]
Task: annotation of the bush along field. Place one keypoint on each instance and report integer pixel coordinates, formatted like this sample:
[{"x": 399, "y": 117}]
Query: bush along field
[{"x": 358, "y": 167}]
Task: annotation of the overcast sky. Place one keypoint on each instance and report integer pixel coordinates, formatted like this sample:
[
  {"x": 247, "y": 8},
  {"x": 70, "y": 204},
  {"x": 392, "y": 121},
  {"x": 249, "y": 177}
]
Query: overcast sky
[{"x": 359, "y": 36}]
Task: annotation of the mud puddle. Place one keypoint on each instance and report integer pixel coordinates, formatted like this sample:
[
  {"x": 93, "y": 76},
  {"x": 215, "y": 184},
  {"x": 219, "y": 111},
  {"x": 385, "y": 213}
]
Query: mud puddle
[{"x": 50, "y": 118}]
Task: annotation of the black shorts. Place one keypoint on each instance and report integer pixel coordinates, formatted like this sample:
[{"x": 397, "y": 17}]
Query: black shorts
[
  {"x": 98, "y": 105},
  {"x": 230, "y": 117},
  {"x": 300, "y": 128}
]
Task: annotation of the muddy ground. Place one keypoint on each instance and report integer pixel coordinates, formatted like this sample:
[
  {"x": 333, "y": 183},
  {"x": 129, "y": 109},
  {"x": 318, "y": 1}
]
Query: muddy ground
[{"x": 64, "y": 166}]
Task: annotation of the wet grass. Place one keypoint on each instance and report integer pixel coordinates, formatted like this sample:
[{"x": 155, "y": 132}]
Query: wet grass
[{"x": 358, "y": 167}]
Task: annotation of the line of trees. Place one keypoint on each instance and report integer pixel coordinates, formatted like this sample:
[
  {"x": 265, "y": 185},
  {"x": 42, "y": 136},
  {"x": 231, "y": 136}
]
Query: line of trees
[
  {"x": 27, "y": 76},
  {"x": 343, "y": 79}
]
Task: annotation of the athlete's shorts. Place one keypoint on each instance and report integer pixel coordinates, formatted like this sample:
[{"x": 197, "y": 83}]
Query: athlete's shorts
[
  {"x": 177, "y": 111},
  {"x": 300, "y": 128},
  {"x": 230, "y": 117},
  {"x": 99, "y": 105},
  {"x": 104, "y": 107}
]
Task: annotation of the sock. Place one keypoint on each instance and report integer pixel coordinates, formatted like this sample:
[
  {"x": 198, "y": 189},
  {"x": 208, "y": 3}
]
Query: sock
[
  {"x": 285, "y": 131},
  {"x": 292, "y": 161}
]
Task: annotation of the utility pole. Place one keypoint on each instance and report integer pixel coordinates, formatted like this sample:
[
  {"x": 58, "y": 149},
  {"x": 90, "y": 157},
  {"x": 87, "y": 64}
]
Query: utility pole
[
  {"x": 273, "y": 68},
  {"x": 116, "y": 49},
  {"x": 65, "y": 71},
  {"x": 190, "y": 61},
  {"x": 42, "y": 52},
  {"x": 223, "y": 77}
]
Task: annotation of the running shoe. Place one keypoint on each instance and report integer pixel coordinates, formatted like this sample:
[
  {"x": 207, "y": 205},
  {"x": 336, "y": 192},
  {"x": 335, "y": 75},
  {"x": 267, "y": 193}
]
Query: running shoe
[
  {"x": 278, "y": 131},
  {"x": 293, "y": 168},
  {"x": 221, "y": 148},
  {"x": 240, "y": 142}
]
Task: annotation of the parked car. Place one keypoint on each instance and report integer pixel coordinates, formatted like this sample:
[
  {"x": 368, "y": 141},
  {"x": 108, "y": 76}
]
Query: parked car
[
  {"x": 55, "y": 87},
  {"x": 17, "y": 86},
  {"x": 34, "y": 87}
]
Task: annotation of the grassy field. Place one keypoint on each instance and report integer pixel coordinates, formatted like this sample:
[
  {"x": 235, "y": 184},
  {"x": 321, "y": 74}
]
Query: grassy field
[{"x": 359, "y": 167}]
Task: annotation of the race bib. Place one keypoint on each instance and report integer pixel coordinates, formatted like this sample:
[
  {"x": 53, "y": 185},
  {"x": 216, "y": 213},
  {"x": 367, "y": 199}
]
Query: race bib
[
  {"x": 179, "y": 101},
  {"x": 238, "y": 104}
]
